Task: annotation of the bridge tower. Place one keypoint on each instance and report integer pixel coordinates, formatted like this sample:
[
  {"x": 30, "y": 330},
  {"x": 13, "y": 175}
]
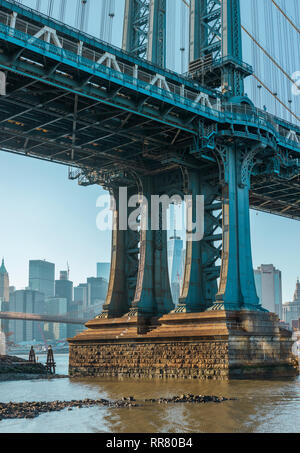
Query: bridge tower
[
  {"x": 144, "y": 32},
  {"x": 216, "y": 61},
  {"x": 216, "y": 45},
  {"x": 139, "y": 282}
]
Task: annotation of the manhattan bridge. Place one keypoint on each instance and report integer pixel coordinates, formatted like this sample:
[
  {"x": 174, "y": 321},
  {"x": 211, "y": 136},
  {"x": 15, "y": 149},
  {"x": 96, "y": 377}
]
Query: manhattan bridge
[{"x": 173, "y": 108}]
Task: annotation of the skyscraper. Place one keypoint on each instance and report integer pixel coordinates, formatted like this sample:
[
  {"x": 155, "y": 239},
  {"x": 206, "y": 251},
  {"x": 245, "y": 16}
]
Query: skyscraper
[
  {"x": 56, "y": 306},
  {"x": 41, "y": 277},
  {"x": 4, "y": 283},
  {"x": 175, "y": 248},
  {"x": 103, "y": 270},
  {"x": 64, "y": 290},
  {"x": 291, "y": 310},
  {"x": 269, "y": 288},
  {"x": 64, "y": 287},
  {"x": 97, "y": 290},
  {"x": 4, "y": 295},
  {"x": 26, "y": 301},
  {"x": 81, "y": 295}
]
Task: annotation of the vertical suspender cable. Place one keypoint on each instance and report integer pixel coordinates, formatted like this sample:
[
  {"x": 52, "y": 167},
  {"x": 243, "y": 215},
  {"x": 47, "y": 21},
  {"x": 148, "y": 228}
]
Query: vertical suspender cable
[
  {"x": 183, "y": 37},
  {"x": 297, "y": 51},
  {"x": 256, "y": 88},
  {"x": 77, "y": 15},
  {"x": 171, "y": 36},
  {"x": 62, "y": 10},
  {"x": 271, "y": 46},
  {"x": 111, "y": 15},
  {"x": 82, "y": 15},
  {"x": 50, "y": 8},
  {"x": 103, "y": 20},
  {"x": 287, "y": 60}
]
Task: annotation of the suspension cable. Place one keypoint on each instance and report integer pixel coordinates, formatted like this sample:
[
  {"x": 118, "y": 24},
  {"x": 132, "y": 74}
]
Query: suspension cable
[
  {"x": 270, "y": 56},
  {"x": 276, "y": 97},
  {"x": 286, "y": 16}
]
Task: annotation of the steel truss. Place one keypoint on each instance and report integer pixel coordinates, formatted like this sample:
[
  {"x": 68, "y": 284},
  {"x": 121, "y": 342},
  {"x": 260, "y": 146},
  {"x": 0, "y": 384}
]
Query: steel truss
[{"x": 144, "y": 33}]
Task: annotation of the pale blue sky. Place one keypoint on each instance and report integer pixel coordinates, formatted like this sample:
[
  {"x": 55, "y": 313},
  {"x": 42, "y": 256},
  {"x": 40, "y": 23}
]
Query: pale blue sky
[{"x": 46, "y": 216}]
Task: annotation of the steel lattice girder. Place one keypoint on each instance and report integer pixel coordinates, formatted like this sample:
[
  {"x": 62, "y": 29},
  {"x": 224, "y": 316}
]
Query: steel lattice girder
[
  {"x": 144, "y": 31},
  {"x": 216, "y": 44},
  {"x": 206, "y": 29},
  {"x": 136, "y": 27}
]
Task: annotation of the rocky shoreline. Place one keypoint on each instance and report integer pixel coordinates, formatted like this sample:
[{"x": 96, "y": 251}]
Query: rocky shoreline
[
  {"x": 7, "y": 377},
  {"x": 11, "y": 364},
  {"x": 16, "y": 369},
  {"x": 30, "y": 410}
]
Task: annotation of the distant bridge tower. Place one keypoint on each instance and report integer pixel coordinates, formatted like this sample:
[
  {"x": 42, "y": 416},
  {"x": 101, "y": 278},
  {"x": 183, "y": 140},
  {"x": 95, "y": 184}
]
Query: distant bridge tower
[
  {"x": 216, "y": 45},
  {"x": 144, "y": 31}
]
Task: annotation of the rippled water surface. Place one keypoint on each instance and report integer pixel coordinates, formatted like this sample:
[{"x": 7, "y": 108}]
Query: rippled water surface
[{"x": 262, "y": 406}]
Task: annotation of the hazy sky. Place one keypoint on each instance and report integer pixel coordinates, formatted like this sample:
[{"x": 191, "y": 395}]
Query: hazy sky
[{"x": 46, "y": 216}]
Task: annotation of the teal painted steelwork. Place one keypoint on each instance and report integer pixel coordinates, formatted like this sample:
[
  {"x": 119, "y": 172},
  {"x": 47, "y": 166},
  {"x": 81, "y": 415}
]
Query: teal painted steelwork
[
  {"x": 226, "y": 140},
  {"x": 136, "y": 27},
  {"x": 237, "y": 287},
  {"x": 201, "y": 271},
  {"x": 144, "y": 31},
  {"x": 232, "y": 74},
  {"x": 236, "y": 115},
  {"x": 205, "y": 29},
  {"x": 157, "y": 32},
  {"x": 153, "y": 293},
  {"x": 216, "y": 46},
  {"x": 96, "y": 44}
]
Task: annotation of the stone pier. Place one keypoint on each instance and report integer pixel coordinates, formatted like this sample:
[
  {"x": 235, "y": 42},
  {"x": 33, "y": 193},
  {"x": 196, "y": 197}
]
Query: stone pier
[{"x": 210, "y": 345}]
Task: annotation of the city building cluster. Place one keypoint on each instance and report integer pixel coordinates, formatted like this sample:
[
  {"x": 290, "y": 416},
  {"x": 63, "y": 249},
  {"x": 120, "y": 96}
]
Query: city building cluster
[{"x": 46, "y": 296}]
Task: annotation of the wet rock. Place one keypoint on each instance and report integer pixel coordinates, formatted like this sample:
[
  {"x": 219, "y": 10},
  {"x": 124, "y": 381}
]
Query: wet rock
[
  {"x": 30, "y": 410},
  {"x": 15, "y": 365}
]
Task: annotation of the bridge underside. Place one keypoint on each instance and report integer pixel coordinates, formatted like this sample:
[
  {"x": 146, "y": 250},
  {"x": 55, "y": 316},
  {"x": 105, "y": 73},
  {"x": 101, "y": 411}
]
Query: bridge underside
[{"x": 38, "y": 120}]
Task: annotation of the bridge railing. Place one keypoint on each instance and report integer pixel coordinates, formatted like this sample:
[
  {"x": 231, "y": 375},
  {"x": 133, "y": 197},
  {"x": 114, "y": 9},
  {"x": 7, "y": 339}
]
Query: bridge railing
[
  {"x": 143, "y": 82},
  {"x": 90, "y": 42},
  {"x": 264, "y": 119}
]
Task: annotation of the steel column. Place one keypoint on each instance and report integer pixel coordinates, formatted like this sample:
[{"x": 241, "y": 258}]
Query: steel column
[
  {"x": 233, "y": 79},
  {"x": 124, "y": 267},
  {"x": 153, "y": 294},
  {"x": 201, "y": 273},
  {"x": 157, "y": 32},
  {"x": 144, "y": 32},
  {"x": 216, "y": 45},
  {"x": 205, "y": 29},
  {"x": 237, "y": 286}
]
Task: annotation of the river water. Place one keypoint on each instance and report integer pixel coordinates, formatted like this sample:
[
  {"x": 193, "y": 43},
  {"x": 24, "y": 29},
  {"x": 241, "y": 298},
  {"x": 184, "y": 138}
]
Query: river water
[{"x": 262, "y": 406}]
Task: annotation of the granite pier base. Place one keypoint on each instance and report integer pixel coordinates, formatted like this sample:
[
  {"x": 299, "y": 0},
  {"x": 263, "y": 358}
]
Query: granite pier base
[{"x": 210, "y": 345}]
